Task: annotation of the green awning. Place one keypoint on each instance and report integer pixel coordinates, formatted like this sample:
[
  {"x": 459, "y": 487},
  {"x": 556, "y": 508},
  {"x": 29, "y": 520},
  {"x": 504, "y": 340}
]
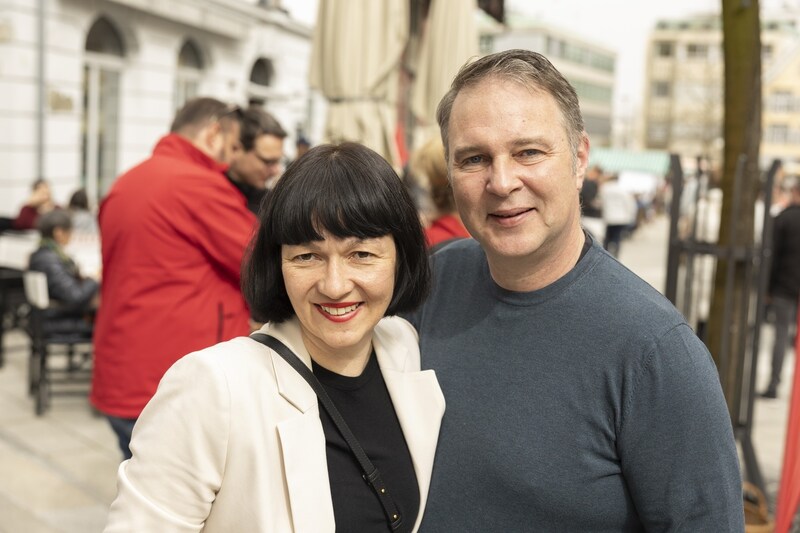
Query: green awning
[{"x": 615, "y": 161}]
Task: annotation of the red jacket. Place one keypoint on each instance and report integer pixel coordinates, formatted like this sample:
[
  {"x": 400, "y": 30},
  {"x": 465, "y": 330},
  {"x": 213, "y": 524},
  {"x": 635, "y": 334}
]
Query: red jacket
[
  {"x": 173, "y": 232},
  {"x": 444, "y": 228}
]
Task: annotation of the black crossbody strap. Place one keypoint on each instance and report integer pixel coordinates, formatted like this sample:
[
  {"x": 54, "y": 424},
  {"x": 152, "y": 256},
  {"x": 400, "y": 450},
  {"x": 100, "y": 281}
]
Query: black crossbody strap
[{"x": 369, "y": 471}]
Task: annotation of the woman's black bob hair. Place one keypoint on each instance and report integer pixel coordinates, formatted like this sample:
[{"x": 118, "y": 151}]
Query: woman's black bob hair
[{"x": 346, "y": 190}]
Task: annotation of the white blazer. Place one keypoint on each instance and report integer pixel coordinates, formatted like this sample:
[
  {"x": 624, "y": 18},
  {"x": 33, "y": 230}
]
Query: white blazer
[{"x": 232, "y": 439}]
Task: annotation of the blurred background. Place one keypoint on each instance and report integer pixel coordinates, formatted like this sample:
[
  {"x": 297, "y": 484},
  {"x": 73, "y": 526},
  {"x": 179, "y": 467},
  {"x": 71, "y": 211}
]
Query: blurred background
[{"x": 87, "y": 87}]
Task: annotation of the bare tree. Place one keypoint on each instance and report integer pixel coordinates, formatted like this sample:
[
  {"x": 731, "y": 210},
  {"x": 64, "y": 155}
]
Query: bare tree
[{"x": 742, "y": 134}]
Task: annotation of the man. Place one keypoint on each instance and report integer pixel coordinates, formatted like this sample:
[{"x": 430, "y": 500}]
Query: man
[
  {"x": 174, "y": 231},
  {"x": 255, "y": 168},
  {"x": 577, "y": 397},
  {"x": 784, "y": 281}
]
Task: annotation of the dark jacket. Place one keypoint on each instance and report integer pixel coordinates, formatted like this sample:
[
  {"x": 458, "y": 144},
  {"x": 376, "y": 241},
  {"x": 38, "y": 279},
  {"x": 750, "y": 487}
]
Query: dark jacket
[
  {"x": 784, "y": 278},
  {"x": 64, "y": 283}
]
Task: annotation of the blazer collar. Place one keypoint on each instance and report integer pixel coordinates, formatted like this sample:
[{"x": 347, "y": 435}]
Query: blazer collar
[{"x": 416, "y": 397}]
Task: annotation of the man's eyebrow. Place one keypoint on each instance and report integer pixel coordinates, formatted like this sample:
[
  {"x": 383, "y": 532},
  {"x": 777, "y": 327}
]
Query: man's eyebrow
[
  {"x": 528, "y": 140},
  {"x": 463, "y": 150}
]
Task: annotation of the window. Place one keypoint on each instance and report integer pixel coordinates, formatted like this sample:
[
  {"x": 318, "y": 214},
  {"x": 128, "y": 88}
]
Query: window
[
  {"x": 781, "y": 102},
  {"x": 664, "y": 49},
  {"x": 188, "y": 73},
  {"x": 766, "y": 52},
  {"x": 658, "y": 134},
  {"x": 261, "y": 78},
  {"x": 661, "y": 89},
  {"x": 103, "y": 64},
  {"x": 697, "y": 51},
  {"x": 777, "y": 133}
]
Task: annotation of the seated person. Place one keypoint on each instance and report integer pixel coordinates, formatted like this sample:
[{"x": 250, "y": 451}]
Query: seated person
[
  {"x": 84, "y": 222},
  {"x": 38, "y": 203},
  {"x": 74, "y": 297}
]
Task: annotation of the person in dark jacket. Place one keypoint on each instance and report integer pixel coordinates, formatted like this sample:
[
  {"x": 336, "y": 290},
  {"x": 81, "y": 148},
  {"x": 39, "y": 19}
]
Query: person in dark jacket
[
  {"x": 784, "y": 281},
  {"x": 73, "y": 294},
  {"x": 256, "y": 167}
]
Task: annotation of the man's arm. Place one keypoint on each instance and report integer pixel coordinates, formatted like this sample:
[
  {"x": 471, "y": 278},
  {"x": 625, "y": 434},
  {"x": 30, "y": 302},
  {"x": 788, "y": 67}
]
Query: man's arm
[{"x": 676, "y": 444}]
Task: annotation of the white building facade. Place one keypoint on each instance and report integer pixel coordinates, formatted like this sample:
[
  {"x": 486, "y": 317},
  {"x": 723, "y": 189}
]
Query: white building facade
[
  {"x": 684, "y": 104},
  {"x": 87, "y": 87}
]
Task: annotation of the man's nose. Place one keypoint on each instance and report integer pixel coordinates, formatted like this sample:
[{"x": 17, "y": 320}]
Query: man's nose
[{"x": 502, "y": 179}]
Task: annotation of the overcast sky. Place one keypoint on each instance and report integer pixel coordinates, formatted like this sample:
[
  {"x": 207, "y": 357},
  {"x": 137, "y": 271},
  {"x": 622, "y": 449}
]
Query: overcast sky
[{"x": 621, "y": 25}]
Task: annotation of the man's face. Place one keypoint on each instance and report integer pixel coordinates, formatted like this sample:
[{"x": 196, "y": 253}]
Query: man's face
[
  {"x": 258, "y": 166},
  {"x": 514, "y": 177}
]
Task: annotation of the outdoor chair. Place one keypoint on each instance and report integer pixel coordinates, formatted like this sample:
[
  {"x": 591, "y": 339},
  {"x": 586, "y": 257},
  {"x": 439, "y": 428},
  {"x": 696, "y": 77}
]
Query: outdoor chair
[{"x": 55, "y": 333}]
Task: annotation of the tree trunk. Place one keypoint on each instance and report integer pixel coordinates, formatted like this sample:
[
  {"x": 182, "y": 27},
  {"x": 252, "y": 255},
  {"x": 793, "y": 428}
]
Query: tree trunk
[{"x": 742, "y": 133}]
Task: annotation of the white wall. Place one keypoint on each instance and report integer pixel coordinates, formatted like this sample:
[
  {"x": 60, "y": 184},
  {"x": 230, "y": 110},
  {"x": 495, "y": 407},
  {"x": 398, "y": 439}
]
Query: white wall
[{"x": 147, "y": 83}]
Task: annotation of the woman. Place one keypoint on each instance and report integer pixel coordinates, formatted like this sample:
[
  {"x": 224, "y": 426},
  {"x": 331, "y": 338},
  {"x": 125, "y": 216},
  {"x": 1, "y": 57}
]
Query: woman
[
  {"x": 234, "y": 439},
  {"x": 429, "y": 163}
]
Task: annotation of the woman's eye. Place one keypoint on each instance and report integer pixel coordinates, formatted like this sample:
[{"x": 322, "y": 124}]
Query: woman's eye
[
  {"x": 303, "y": 258},
  {"x": 362, "y": 254}
]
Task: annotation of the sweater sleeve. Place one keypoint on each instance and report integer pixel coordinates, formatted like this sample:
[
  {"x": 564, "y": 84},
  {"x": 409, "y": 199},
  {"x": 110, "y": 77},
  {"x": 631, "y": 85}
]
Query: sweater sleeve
[
  {"x": 179, "y": 448},
  {"x": 676, "y": 444}
]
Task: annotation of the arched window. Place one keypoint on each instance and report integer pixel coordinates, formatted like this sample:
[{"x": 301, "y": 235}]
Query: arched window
[
  {"x": 105, "y": 49},
  {"x": 188, "y": 73},
  {"x": 261, "y": 77}
]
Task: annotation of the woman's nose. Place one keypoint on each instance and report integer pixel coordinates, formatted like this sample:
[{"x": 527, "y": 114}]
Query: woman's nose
[{"x": 336, "y": 282}]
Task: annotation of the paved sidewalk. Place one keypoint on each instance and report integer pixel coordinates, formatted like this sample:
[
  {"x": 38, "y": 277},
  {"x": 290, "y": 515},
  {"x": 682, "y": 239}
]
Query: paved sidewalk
[{"x": 57, "y": 472}]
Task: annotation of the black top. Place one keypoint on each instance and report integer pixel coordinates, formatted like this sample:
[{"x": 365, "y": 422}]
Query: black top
[
  {"x": 253, "y": 195},
  {"x": 367, "y": 408},
  {"x": 785, "y": 276}
]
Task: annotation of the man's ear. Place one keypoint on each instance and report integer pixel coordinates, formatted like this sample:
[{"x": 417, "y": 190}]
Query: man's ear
[
  {"x": 209, "y": 140},
  {"x": 581, "y": 160}
]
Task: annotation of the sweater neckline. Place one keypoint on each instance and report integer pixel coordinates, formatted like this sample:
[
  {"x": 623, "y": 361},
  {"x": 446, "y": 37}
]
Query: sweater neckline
[{"x": 536, "y": 297}]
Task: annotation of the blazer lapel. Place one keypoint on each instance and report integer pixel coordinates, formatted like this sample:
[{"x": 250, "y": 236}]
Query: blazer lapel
[
  {"x": 306, "y": 471},
  {"x": 305, "y": 462},
  {"x": 419, "y": 404}
]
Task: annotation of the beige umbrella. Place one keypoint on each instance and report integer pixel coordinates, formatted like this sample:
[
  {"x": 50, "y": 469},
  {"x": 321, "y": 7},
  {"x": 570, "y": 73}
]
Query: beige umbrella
[
  {"x": 355, "y": 64},
  {"x": 450, "y": 38}
]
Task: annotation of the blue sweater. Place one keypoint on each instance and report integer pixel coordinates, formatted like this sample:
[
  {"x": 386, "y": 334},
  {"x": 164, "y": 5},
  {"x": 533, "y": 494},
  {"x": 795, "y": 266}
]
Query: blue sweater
[{"x": 588, "y": 405}]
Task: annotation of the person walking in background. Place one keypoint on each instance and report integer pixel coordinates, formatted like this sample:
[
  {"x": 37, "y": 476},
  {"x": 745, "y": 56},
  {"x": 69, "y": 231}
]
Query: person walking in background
[
  {"x": 174, "y": 230},
  {"x": 255, "y": 168},
  {"x": 591, "y": 206},
  {"x": 784, "y": 281},
  {"x": 428, "y": 164},
  {"x": 578, "y": 399},
  {"x": 38, "y": 203},
  {"x": 235, "y": 439},
  {"x": 619, "y": 212}
]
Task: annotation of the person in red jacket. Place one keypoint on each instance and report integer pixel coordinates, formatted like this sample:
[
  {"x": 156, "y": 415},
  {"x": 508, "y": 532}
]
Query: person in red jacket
[
  {"x": 429, "y": 163},
  {"x": 174, "y": 231},
  {"x": 38, "y": 203}
]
